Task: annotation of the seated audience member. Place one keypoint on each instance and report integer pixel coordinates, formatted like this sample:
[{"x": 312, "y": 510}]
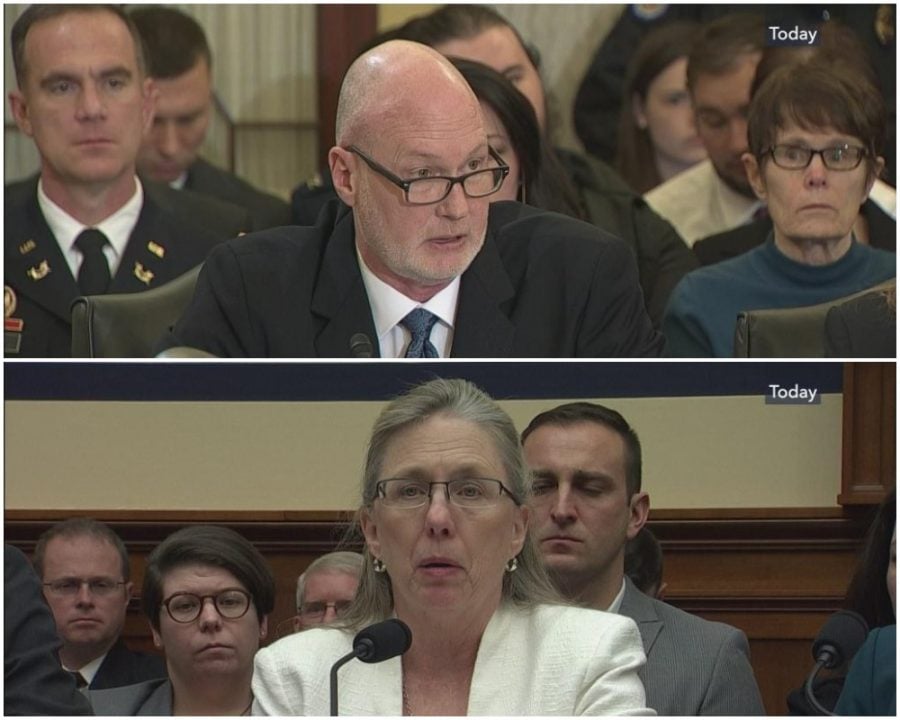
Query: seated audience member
[
  {"x": 814, "y": 137},
  {"x": 875, "y": 224},
  {"x": 535, "y": 175},
  {"x": 715, "y": 194},
  {"x": 86, "y": 225},
  {"x": 644, "y": 563},
  {"x": 481, "y": 34},
  {"x": 448, "y": 552},
  {"x": 865, "y": 327},
  {"x": 84, "y": 569},
  {"x": 871, "y": 685},
  {"x": 180, "y": 63},
  {"x": 872, "y": 593},
  {"x": 34, "y": 682},
  {"x": 419, "y": 267},
  {"x": 657, "y": 132},
  {"x": 587, "y": 503},
  {"x": 327, "y": 588},
  {"x": 207, "y": 592}
]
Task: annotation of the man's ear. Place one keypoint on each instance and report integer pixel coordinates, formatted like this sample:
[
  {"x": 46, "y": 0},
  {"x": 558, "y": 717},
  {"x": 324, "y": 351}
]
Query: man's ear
[
  {"x": 149, "y": 97},
  {"x": 343, "y": 165},
  {"x": 754, "y": 175},
  {"x": 639, "y": 506},
  {"x": 19, "y": 108}
]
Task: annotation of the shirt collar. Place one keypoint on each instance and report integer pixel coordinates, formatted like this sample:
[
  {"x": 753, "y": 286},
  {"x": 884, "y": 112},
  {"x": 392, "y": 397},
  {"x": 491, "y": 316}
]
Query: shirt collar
[
  {"x": 117, "y": 227},
  {"x": 90, "y": 670},
  {"x": 617, "y": 600},
  {"x": 390, "y": 306}
]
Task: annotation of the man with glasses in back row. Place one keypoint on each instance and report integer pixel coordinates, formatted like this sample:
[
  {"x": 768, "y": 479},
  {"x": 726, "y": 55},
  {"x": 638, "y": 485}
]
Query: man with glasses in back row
[
  {"x": 84, "y": 568},
  {"x": 421, "y": 265},
  {"x": 326, "y": 588}
]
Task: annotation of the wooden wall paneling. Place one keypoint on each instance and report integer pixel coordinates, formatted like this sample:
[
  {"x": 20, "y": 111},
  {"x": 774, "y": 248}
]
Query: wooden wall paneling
[
  {"x": 776, "y": 574},
  {"x": 869, "y": 428},
  {"x": 342, "y": 30}
]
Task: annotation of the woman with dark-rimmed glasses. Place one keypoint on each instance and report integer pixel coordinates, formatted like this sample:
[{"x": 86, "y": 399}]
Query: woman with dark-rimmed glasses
[
  {"x": 448, "y": 552},
  {"x": 207, "y": 593}
]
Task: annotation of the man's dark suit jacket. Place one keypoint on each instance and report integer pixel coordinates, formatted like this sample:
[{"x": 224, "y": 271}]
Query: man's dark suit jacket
[
  {"x": 737, "y": 241},
  {"x": 265, "y": 210},
  {"x": 34, "y": 682},
  {"x": 174, "y": 233},
  {"x": 543, "y": 285},
  {"x": 122, "y": 667}
]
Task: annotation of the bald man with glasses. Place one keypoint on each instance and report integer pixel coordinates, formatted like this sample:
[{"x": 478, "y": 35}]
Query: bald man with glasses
[{"x": 416, "y": 261}]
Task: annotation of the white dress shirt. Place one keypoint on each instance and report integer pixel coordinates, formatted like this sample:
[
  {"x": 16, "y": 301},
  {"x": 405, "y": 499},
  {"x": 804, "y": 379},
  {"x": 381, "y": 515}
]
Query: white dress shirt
[
  {"x": 117, "y": 228},
  {"x": 390, "y": 306}
]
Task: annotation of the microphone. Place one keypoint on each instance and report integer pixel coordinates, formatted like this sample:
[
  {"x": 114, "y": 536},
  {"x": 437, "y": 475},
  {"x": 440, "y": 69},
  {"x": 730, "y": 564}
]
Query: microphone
[
  {"x": 373, "y": 644},
  {"x": 361, "y": 346},
  {"x": 837, "y": 642}
]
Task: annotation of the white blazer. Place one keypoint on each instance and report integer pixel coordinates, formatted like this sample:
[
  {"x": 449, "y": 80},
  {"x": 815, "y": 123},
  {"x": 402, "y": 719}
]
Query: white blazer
[{"x": 547, "y": 660}]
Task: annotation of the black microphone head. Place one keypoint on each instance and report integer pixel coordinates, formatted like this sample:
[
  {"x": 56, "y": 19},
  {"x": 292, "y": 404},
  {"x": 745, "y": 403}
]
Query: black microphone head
[
  {"x": 361, "y": 346},
  {"x": 382, "y": 641},
  {"x": 839, "y": 639}
]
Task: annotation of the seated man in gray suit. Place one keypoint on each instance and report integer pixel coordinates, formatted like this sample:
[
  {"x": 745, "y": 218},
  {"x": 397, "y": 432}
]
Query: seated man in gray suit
[
  {"x": 418, "y": 262},
  {"x": 587, "y": 502},
  {"x": 180, "y": 63},
  {"x": 86, "y": 225}
]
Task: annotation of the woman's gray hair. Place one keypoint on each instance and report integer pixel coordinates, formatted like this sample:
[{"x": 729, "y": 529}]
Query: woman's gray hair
[{"x": 529, "y": 584}]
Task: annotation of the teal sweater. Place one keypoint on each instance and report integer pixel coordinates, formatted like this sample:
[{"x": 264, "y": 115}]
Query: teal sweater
[{"x": 702, "y": 313}]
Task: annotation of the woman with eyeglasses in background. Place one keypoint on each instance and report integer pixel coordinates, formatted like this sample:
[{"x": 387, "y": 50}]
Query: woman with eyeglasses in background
[
  {"x": 448, "y": 552},
  {"x": 207, "y": 593}
]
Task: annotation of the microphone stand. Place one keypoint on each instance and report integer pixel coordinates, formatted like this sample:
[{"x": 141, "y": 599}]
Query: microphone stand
[
  {"x": 808, "y": 689},
  {"x": 334, "y": 686}
]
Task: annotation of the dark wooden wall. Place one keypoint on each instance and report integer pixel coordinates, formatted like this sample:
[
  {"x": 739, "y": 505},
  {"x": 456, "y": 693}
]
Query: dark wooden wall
[{"x": 776, "y": 574}]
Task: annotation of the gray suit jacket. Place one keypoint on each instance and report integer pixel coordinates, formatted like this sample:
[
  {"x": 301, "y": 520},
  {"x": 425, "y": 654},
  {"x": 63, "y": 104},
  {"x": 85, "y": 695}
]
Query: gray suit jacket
[
  {"x": 694, "y": 666},
  {"x": 153, "y": 697}
]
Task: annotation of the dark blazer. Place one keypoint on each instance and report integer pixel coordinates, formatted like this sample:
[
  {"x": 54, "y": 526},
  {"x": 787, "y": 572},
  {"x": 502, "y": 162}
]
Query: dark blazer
[
  {"x": 543, "y": 285},
  {"x": 153, "y": 697},
  {"x": 174, "y": 233},
  {"x": 34, "y": 682},
  {"x": 871, "y": 684},
  {"x": 737, "y": 241},
  {"x": 694, "y": 666},
  {"x": 121, "y": 667},
  {"x": 265, "y": 210},
  {"x": 865, "y": 327},
  {"x": 663, "y": 258}
]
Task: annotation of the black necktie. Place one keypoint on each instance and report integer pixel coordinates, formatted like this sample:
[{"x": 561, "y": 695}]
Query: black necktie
[
  {"x": 80, "y": 682},
  {"x": 93, "y": 275},
  {"x": 419, "y": 322}
]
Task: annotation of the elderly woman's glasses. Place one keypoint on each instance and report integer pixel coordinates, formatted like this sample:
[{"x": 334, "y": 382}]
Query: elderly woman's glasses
[
  {"x": 430, "y": 190},
  {"x": 184, "y": 607},
  {"x": 463, "y": 492},
  {"x": 837, "y": 157}
]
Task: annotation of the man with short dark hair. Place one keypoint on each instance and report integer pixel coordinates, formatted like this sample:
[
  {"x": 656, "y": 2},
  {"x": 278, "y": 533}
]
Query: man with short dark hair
[
  {"x": 180, "y": 63},
  {"x": 84, "y": 568},
  {"x": 586, "y": 504},
  {"x": 715, "y": 194},
  {"x": 86, "y": 225},
  {"x": 418, "y": 262}
]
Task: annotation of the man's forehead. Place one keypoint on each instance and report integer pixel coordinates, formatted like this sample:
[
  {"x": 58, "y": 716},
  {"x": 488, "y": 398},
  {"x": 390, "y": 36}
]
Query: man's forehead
[{"x": 58, "y": 29}]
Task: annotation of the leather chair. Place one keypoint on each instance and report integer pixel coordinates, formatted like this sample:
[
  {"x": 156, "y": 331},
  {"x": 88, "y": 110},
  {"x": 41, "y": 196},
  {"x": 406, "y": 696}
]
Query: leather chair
[
  {"x": 787, "y": 332},
  {"x": 128, "y": 325}
]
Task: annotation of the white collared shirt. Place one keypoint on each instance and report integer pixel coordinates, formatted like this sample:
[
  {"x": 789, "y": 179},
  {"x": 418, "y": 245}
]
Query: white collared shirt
[
  {"x": 698, "y": 203},
  {"x": 117, "y": 228},
  {"x": 617, "y": 600},
  {"x": 390, "y": 306},
  {"x": 90, "y": 670},
  {"x": 179, "y": 182}
]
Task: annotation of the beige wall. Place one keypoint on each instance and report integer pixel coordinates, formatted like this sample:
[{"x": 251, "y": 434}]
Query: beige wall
[{"x": 717, "y": 452}]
